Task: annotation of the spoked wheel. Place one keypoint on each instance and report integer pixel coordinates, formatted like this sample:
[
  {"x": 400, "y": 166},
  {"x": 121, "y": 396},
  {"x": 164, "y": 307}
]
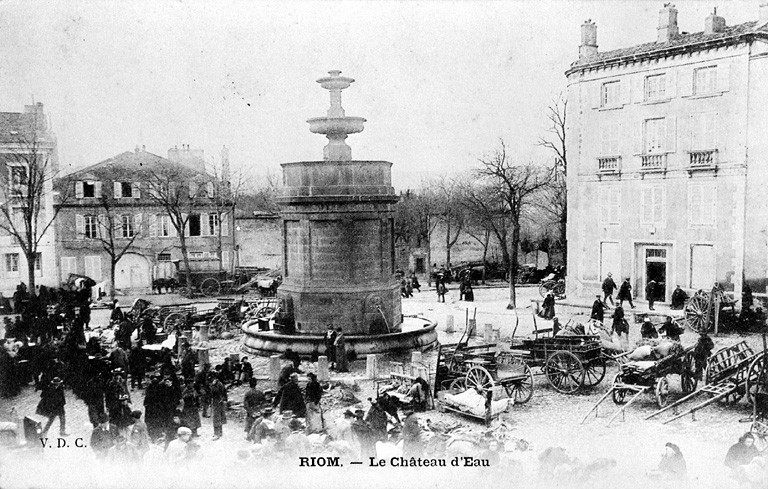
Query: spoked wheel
[
  {"x": 174, "y": 319},
  {"x": 458, "y": 385},
  {"x": 185, "y": 291},
  {"x": 521, "y": 390},
  {"x": 594, "y": 372},
  {"x": 696, "y": 313},
  {"x": 753, "y": 377},
  {"x": 559, "y": 289},
  {"x": 688, "y": 380},
  {"x": 479, "y": 378},
  {"x": 565, "y": 372},
  {"x": 218, "y": 325},
  {"x": 662, "y": 392},
  {"x": 210, "y": 287},
  {"x": 546, "y": 287},
  {"x": 619, "y": 395}
]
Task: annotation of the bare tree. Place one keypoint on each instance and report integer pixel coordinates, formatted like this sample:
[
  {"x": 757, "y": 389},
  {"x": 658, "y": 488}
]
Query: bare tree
[
  {"x": 227, "y": 191},
  {"x": 25, "y": 188},
  {"x": 415, "y": 219},
  {"x": 514, "y": 186},
  {"x": 555, "y": 200},
  {"x": 450, "y": 212}
]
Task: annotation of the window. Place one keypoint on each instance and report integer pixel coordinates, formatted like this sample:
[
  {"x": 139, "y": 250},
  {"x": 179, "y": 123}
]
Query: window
[
  {"x": 213, "y": 225},
  {"x": 703, "y": 131},
  {"x": 12, "y": 262},
  {"x": 18, "y": 179},
  {"x": 609, "y": 139},
  {"x": 610, "y": 205},
  {"x": 93, "y": 267},
  {"x": 127, "y": 226},
  {"x": 655, "y": 132},
  {"x": 702, "y": 199},
  {"x": 655, "y": 87},
  {"x": 39, "y": 262},
  {"x": 164, "y": 225},
  {"x": 126, "y": 189},
  {"x": 68, "y": 265},
  {"x": 653, "y": 205},
  {"x": 610, "y": 93},
  {"x": 702, "y": 266},
  {"x": 194, "y": 225},
  {"x": 163, "y": 257},
  {"x": 705, "y": 80},
  {"x": 197, "y": 255},
  {"x": 91, "y": 227},
  {"x": 89, "y": 189}
]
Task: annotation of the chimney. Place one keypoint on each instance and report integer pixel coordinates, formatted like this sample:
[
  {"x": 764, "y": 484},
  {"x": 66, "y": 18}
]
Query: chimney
[
  {"x": 143, "y": 148},
  {"x": 667, "y": 23},
  {"x": 588, "y": 47},
  {"x": 714, "y": 23},
  {"x": 225, "y": 164},
  {"x": 764, "y": 13}
]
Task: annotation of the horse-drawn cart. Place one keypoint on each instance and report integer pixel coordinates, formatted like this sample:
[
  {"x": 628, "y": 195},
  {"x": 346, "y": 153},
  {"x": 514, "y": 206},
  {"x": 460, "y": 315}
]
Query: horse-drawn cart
[{"x": 570, "y": 363}]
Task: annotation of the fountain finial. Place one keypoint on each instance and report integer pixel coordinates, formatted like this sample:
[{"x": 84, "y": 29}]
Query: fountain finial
[{"x": 336, "y": 125}]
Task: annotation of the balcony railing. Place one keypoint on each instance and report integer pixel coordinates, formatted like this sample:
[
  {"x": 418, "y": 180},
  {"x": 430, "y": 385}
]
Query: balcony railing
[
  {"x": 657, "y": 162},
  {"x": 609, "y": 164},
  {"x": 703, "y": 159}
]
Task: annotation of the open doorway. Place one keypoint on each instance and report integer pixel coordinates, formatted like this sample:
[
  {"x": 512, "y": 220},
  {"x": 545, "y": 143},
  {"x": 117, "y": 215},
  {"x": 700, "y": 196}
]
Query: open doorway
[{"x": 657, "y": 271}]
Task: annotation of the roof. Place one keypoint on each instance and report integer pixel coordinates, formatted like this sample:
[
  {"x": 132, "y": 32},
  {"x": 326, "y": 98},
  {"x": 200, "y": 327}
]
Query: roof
[
  {"x": 134, "y": 162},
  {"x": 18, "y": 127},
  {"x": 685, "y": 42}
]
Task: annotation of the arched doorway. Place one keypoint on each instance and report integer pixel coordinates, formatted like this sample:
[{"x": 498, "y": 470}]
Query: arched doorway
[{"x": 132, "y": 272}]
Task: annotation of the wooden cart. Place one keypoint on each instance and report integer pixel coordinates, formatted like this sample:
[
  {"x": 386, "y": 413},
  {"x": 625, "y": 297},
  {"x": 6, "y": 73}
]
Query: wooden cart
[{"x": 570, "y": 363}]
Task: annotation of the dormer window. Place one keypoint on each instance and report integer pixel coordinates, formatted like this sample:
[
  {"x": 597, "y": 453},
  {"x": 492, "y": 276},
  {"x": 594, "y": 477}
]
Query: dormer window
[
  {"x": 89, "y": 189},
  {"x": 126, "y": 189}
]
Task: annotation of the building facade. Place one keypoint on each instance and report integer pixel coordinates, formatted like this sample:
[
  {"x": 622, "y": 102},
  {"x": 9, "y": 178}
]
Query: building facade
[
  {"x": 666, "y": 141},
  {"x": 25, "y": 138},
  {"x": 122, "y": 192}
]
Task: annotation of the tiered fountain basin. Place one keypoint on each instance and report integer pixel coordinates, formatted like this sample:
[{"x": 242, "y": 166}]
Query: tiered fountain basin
[{"x": 417, "y": 333}]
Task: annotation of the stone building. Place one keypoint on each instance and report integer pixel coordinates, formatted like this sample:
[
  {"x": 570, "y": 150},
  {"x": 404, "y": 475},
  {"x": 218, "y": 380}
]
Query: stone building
[
  {"x": 669, "y": 159},
  {"x": 25, "y": 133},
  {"x": 120, "y": 187}
]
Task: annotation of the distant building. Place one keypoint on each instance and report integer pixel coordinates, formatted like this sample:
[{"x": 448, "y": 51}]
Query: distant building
[
  {"x": 259, "y": 240},
  {"x": 668, "y": 159},
  {"x": 124, "y": 180},
  {"x": 25, "y": 132}
]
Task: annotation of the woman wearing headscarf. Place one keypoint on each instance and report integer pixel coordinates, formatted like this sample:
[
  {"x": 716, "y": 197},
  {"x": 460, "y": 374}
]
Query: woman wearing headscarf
[
  {"x": 742, "y": 452},
  {"x": 672, "y": 463}
]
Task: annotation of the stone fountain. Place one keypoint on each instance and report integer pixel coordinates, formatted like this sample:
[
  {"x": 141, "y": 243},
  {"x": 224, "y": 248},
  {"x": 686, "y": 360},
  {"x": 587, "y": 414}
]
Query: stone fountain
[{"x": 338, "y": 250}]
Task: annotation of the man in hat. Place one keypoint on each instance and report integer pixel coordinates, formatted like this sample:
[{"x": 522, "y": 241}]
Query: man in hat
[
  {"x": 330, "y": 348},
  {"x": 103, "y": 436},
  {"x": 137, "y": 364},
  {"x": 218, "y": 406},
  {"x": 598, "y": 310},
  {"x": 177, "y": 452},
  {"x": 293, "y": 357},
  {"x": 252, "y": 401},
  {"x": 671, "y": 330},
  {"x": 608, "y": 287},
  {"x": 314, "y": 392},
  {"x": 117, "y": 314},
  {"x": 650, "y": 293},
  {"x": 51, "y": 404},
  {"x": 138, "y": 438},
  {"x": 289, "y": 397},
  {"x": 261, "y": 426},
  {"x": 341, "y": 351}
]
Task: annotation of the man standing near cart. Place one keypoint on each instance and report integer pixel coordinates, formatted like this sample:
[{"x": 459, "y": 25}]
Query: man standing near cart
[{"x": 608, "y": 287}]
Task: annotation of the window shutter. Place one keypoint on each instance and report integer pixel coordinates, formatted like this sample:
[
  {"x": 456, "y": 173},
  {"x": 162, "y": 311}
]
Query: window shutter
[
  {"x": 723, "y": 77},
  {"x": 101, "y": 225},
  {"x": 626, "y": 91},
  {"x": 97, "y": 189},
  {"x": 210, "y": 190},
  {"x": 136, "y": 187},
  {"x": 79, "y": 190},
  {"x": 225, "y": 259},
  {"x": 192, "y": 190},
  {"x": 153, "y": 225},
  {"x": 224, "y": 223},
  {"x": 117, "y": 190},
  {"x": 171, "y": 228},
  {"x": 137, "y": 221},
  {"x": 670, "y": 143},
  {"x": 80, "y": 224},
  {"x": 637, "y": 137},
  {"x": 185, "y": 220},
  {"x": 685, "y": 82},
  {"x": 597, "y": 95},
  {"x": 670, "y": 84},
  {"x": 204, "y": 231},
  {"x": 118, "y": 226}
]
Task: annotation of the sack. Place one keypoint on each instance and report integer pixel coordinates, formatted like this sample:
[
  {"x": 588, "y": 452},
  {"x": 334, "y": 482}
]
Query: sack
[{"x": 641, "y": 353}]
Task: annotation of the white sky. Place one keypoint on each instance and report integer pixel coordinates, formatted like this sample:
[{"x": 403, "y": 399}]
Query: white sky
[{"x": 439, "y": 82}]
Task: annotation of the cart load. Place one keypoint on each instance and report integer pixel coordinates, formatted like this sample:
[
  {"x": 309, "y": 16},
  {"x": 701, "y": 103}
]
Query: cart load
[{"x": 473, "y": 403}]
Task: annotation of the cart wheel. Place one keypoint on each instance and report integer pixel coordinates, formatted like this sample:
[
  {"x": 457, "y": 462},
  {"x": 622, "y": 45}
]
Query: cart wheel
[
  {"x": 184, "y": 291},
  {"x": 522, "y": 390},
  {"x": 479, "y": 378},
  {"x": 662, "y": 391},
  {"x": 696, "y": 313},
  {"x": 458, "y": 385},
  {"x": 564, "y": 372},
  {"x": 218, "y": 325},
  {"x": 559, "y": 289},
  {"x": 210, "y": 287},
  {"x": 688, "y": 380},
  {"x": 545, "y": 287},
  {"x": 753, "y": 377},
  {"x": 174, "y": 319},
  {"x": 619, "y": 395},
  {"x": 594, "y": 372}
]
